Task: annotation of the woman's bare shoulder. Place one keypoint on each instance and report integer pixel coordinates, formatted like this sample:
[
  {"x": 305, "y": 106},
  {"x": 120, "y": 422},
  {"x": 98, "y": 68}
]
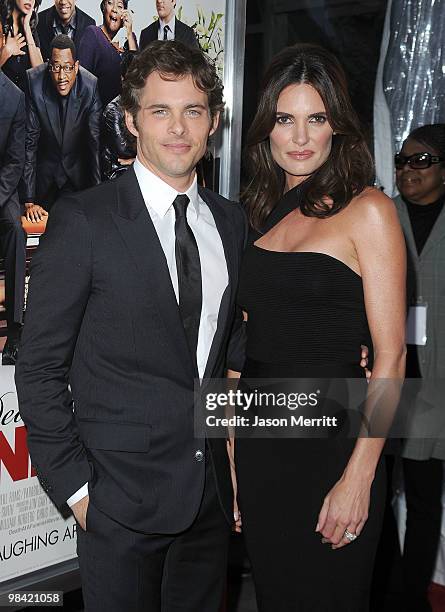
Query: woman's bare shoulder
[{"x": 372, "y": 206}]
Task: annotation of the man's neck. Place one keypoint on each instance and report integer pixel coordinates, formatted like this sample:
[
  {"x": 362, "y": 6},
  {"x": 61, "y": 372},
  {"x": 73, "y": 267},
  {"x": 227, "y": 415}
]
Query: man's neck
[
  {"x": 180, "y": 184},
  {"x": 168, "y": 20}
]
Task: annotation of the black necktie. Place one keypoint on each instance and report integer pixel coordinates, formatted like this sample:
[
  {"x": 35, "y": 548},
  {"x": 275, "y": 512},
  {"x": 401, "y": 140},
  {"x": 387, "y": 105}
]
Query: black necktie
[
  {"x": 189, "y": 274},
  {"x": 166, "y": 31}
]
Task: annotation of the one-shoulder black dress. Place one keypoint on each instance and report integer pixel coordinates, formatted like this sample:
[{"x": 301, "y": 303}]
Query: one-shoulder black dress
[{"x": 306, "y": 318}]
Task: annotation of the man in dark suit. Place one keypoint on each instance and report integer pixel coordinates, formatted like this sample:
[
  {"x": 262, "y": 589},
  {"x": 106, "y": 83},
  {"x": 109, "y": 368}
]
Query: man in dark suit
[
  {"x": 62, "y": 129},
  {"x": 167, "y": 27},
  {"x": 12, "y": 236},
  {"x": 62, "y": 18},
  {"x": 131, "y": 300}
]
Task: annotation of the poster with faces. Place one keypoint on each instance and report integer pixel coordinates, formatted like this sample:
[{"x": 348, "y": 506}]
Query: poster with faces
[{"x": 206, "y": 17}]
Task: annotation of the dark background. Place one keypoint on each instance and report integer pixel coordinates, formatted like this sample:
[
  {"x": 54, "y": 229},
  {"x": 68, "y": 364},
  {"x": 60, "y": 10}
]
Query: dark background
[{"x": 351, "y": 29}]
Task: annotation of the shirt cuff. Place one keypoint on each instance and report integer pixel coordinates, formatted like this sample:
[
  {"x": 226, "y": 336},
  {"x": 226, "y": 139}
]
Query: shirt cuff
[{"x": 78, "y": 495}]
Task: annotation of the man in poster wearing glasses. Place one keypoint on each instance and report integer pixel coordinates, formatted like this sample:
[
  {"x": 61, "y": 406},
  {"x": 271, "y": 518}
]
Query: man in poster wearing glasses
[{"x": 62, "y": 130}]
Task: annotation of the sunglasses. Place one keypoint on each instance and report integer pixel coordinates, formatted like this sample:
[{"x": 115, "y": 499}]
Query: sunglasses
[{"x": 417, "y": 161}]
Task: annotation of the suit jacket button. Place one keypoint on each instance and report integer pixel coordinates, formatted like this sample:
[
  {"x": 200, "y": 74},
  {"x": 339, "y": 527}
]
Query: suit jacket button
[{"x": 199, "y": 455}]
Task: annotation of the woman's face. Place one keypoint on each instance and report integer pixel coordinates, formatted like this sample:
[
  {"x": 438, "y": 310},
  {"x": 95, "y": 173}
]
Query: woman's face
[
  {"x": 25, "y": 6},
  {"x": 301, "y": 140},
  {"x": 420, "y": 186},
  {"x": 113, "y": 15}
]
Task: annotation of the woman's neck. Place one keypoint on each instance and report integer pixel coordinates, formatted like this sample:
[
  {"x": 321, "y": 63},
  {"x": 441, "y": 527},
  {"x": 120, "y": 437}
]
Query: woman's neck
[
  {"x": 108, "y": 34},
  {"x": 16, "y": 21}
]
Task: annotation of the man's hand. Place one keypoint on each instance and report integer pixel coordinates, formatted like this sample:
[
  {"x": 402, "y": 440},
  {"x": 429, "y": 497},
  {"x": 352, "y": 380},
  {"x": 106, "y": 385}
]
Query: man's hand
[
  {"x": 34, "y": 212},
  {"x": 364, "y": 360},
  {"x": 236, "y": 512},
  {"x": 80, "y": 511}
]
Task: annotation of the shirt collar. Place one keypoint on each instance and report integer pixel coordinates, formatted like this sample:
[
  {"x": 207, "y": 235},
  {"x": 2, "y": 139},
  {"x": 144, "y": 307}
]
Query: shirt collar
[
  {"x": 158, "y": 195},
  {"x": 170, "y": 24}
]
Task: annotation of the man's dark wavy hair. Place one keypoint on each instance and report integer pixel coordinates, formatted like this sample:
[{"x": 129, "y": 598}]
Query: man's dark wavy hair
[
  {"x": 171, "y": 59},
  {"x": 349, "y": 167}
]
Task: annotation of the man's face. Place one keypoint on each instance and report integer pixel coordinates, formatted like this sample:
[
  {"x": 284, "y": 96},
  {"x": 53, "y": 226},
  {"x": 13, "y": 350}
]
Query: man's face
[
  {"x": 65, "y": 9},
  {"x": 172, "y": 127},
  {"x": 63, "y": 80},
  {"x": 166, "y": 9}
]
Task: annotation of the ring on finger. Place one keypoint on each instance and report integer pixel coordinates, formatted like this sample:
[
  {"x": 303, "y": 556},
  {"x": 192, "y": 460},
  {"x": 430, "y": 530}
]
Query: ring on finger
[{"x": 350, "y": 536}]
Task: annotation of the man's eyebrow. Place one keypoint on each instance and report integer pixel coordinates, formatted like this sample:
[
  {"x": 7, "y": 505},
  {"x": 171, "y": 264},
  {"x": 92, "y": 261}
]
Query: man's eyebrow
[{"x": 187, "y": 106}]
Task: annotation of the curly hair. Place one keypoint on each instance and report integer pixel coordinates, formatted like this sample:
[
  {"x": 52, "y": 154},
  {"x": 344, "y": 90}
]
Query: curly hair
[
  {"x": 171, "y": 59},
  {"x": 431, "y": 135},
  {"x": 349, "y": 167},
  {"x": 7, "y": 8}
]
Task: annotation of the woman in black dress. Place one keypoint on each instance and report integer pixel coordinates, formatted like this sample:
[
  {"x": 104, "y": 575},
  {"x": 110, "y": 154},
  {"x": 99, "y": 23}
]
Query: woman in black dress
[
  {"x": 19, "y": 43},
  {"x": 324, "y": 273}
]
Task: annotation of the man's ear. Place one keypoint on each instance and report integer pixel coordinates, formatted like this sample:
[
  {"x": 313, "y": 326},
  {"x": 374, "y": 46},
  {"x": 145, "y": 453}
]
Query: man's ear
[
  {"x": 215, "y": 123},
  {"x": 131, "y": 125},
  {"x": 76, "y": 66}
]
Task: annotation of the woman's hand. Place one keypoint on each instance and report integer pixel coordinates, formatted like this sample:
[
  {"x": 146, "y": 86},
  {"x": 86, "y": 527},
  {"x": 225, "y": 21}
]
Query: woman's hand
[
  {"x": 14, "y": 45},
  {"x": 345, "y": 507},
  {"x": 127, "y": 20},
  {"x": 26, "y": 20}
]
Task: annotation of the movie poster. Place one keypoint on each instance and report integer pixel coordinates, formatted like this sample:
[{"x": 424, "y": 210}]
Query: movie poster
[{"x": 33, "y": 535}]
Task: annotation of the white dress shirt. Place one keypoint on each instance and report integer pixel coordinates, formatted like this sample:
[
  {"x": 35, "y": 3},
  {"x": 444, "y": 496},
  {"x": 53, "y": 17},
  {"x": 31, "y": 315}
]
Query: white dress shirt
[
  {"x": 158, "y": 198},
  {"x": 171, "y": 32}
]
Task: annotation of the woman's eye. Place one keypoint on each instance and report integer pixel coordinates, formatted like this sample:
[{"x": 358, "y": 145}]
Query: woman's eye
[
  {"x": 318, "y": 119},
  {"x": 283, "y": 119}
]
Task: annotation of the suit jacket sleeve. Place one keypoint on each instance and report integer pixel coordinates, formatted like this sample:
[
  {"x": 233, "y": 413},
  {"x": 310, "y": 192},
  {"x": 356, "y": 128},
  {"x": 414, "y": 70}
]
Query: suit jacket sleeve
[
  {"x": 236, "y": 350},
  {"x": 58, "y": 295},
  {"x": 31, "y": 146},
  {"x": 94, "y": 120},
  {"x": 14, "y": 158}
]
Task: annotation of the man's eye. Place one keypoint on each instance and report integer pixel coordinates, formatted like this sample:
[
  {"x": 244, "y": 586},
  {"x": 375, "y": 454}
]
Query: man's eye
[
  {"x": 193, "y": 113},
  {"x": 160, "y": 112}
]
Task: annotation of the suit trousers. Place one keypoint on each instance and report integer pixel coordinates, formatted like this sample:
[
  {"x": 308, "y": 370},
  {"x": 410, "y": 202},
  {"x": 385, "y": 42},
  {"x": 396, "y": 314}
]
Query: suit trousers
[
  {"x": 127, "y": 570},
  {"x": 13, "y": 245}
]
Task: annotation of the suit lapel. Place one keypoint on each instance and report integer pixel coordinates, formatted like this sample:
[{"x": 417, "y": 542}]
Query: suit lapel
[
  {"x": 227, "y": 238},
  {"x": 140, "y": 237},
  {"x": 52, "y": 108}
]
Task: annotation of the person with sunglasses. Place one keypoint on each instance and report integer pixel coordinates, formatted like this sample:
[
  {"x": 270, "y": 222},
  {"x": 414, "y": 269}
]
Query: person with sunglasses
[
  {"x": 420, "y": 177},
  {"x": 62, "y": 130}
]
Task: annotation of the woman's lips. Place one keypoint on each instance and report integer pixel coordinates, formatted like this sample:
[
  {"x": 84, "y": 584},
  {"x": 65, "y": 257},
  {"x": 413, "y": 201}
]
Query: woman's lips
[{"x": 300, "y": 155}]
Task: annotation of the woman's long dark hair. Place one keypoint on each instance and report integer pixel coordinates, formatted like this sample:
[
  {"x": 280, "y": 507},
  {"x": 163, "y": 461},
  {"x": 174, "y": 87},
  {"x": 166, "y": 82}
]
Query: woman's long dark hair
[
  {"x": 6, "y": 9},
  {"x": 349, "y": 168}
]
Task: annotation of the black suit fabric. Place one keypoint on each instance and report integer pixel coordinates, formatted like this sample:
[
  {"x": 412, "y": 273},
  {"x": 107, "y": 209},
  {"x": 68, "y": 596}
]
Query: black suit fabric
[
  {"x": 12, "y": 236},
  {"x": 46, "y": 31},
  {"x": 55, "y": 157},
  {"x": 160, "y": 509},
  {"x": 117, "y": 338},
  {"x": 183, "y": 32}
]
